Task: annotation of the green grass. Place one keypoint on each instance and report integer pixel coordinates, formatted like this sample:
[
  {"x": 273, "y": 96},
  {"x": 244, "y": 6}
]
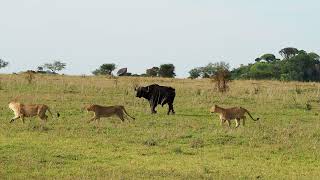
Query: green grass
[{"x": 284, "y": 144}]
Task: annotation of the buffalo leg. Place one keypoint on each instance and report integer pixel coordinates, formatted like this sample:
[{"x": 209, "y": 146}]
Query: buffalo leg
[
  {"x": 171, "y": 109},
  {"x": 153, "y": 108}
]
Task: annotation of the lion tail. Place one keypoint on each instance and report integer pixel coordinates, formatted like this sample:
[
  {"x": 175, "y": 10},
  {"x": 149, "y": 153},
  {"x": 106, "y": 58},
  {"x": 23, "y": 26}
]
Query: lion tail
[
  {"x": 250, "y": 115},
  {"x": 124, "y": 110},
  {"x": 58, "y": 114}
]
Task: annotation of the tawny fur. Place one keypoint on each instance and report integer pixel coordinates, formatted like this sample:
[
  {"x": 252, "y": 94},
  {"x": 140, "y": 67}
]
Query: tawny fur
[
  {"x": 29, "y": 110},
  {"x": 107, "y": 111},
  {"x": 228, "y": 114}
]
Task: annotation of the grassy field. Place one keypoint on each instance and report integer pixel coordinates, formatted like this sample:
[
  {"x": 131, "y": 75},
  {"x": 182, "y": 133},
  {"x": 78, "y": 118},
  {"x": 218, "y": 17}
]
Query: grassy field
[{"x": 284, "y": 144}]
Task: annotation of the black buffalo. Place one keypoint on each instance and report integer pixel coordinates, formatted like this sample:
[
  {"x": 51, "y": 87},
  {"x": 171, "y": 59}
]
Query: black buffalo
[{"x": 156, "y": 94}]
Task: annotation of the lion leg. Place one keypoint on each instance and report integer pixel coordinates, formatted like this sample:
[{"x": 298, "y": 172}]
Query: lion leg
[
  {"x": 127, "y": 117},
  {"x": 14, "y": 118},
  {"x": 98, "y": 122},
  {"x": 120, "y": 115},
  {"x": 237, "y": 122},
  {"x": 92, "y": 119},
  {"x": 229, "y": 123},
  {"x": 43, "y": 119},
  {"x": 43, "y": 123},
  {"x": 244, "y": 120},
  {"x": 222, "y": 121}
]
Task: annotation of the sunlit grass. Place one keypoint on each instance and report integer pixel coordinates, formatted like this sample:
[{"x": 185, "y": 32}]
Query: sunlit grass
[{"x": 188, "y": 145}]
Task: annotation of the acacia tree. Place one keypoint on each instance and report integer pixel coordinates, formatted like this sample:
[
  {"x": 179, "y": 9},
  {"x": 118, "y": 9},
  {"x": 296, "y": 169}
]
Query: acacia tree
[
  {"x": 221, "y": 65},
  {"x": 268, "y": 57},
  {"x": 3, "y": 63},
  {"x": 288, "y": 52},
  {"x": 209, "y": 70},
  {"x": 152, "y": 72},
  {"x": 314, "y": 56},
  {"x": 195, "y": 73},
  {"x": 55, "y": 66},
  {"x": 167, "y": 70},
  {"x": 105, "y": 69}
]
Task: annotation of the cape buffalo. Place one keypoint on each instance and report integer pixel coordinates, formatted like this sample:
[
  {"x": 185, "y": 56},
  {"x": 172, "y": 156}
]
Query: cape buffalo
[{"x": 156, "y": 94}]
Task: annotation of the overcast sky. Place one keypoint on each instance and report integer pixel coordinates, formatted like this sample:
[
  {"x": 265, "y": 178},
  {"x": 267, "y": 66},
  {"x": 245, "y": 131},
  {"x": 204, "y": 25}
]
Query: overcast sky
[{"x": 139, "y": 34}]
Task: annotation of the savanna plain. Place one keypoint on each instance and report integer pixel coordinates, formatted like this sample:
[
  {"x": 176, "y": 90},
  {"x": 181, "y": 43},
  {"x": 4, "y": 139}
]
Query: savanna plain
[{"x": 283, "y": 144}]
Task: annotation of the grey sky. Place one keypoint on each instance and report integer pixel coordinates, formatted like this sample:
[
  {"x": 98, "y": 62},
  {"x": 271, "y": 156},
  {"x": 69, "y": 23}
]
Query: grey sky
[{"x": 139, "y": 34}]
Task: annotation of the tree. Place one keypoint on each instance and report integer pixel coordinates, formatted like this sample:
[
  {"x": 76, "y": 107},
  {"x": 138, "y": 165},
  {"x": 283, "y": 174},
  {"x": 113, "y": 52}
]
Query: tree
[
  {"x": 152, "y": 72},
  {"x": 167, "y": 70},
  {"x": 105, "y": 69},
  {"x": 211, "y": 69},
  {"x": 314, "y": 56},
  {"x": 268, "y": 57},
  {"x": 3, "y": 63},
  {"x": 208, "y": 70},
  {"x": 261, "y": 70},
  {"x": 242, "y": 72},
  {"x": 301, "y": 67},
  {"x": 221, "y": 65},
  {"x": 297, "y": 65},
  {"x": 257, "y": 60},
  {"x": 55, "y": 66},
  {"x": 195, "y": 73},
  {"x": 288, "y": 52}
]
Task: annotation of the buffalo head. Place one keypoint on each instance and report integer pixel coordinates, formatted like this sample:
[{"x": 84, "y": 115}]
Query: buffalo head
[{"x": 142, "y": 91}]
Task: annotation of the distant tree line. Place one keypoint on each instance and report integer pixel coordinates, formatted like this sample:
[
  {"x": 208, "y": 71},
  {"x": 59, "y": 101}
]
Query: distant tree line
[
  {"x": 165, "y": 70},
  {"x": 295, "y": 65},
  {"x": 47, "y": 68}
]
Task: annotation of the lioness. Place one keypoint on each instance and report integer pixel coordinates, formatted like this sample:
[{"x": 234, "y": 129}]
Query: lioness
[
  {"x": 229, "y": 114},
  {"x": 107, "y": 111},
  {"x": 29, "y": 110}
]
